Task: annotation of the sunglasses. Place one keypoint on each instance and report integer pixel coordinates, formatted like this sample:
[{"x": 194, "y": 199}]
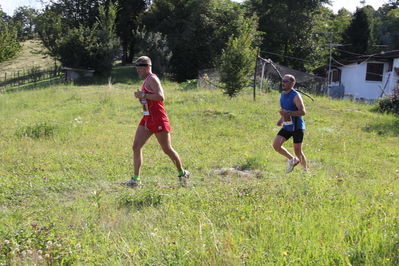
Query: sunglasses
[{"x": 286, "y": 80}]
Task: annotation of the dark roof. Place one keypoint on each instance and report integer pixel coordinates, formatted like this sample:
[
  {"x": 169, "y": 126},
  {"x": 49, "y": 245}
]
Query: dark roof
[{"x": 383, "y": 56}]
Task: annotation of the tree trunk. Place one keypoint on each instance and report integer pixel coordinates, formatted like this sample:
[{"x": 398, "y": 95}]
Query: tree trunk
[{"x": 131, "y": 52}]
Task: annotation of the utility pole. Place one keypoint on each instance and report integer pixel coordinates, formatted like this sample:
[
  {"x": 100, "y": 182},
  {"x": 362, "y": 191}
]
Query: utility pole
[
  {"x": 329, "y": 64},
  {"x": 329, "y": 61}
]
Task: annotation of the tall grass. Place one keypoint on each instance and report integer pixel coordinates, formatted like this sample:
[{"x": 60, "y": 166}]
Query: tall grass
[{"x": 62, "y": 202}]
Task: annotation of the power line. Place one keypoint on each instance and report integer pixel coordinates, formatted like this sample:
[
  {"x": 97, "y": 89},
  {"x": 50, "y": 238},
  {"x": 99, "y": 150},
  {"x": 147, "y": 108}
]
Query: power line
[{"x": 289, "y": 57}]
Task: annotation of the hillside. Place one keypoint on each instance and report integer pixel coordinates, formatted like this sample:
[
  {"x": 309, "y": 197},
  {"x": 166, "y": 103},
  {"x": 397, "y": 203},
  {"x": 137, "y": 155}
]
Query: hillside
[
  {"x": 27, "y": 59},
  {"x": 65, "y": 149}
]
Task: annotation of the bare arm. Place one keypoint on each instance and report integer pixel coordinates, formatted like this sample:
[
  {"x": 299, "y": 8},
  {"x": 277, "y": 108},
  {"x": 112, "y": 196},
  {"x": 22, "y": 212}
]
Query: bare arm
[
  {"x": 299, "y": 105},
  {"x": 154, "y": 85}
]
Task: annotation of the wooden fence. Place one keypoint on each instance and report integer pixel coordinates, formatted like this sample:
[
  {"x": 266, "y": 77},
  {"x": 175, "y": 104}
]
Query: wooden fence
[{"x": 32, "y": 75}]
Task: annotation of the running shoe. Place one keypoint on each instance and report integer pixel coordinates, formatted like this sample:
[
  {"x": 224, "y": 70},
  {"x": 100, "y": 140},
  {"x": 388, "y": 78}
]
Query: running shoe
[
  {"x": 291, "y": 164},
  {"x": 131, "y": 183},
  {"x": 183, "y": 178}
]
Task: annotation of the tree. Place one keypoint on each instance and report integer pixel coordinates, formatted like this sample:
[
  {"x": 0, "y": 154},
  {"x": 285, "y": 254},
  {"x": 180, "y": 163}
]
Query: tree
[
  {"x": 155, "y": 46},
  {"x": 196, "y": 31},
  {"x": 390, "y": 30},
  {"x": 84, "y": 47},
  {"x": 288, "y": 27},
  {"x": 238, "y": 59},
  {"x": 24, "y": 17},
  {"x": 387, "y": 25},
  {"x": 359, "y": 34},
  {"x": 336, "y": 25},
  {"x": 75, "y": 13},
  {"x": 127, "y": 22},
  {"x": 50, "y": 28},
  {"x": 9, "y": 45}
]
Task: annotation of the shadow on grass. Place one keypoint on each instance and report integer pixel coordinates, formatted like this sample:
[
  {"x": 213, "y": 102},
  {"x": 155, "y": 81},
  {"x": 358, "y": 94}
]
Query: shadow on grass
[
  {"x": 44, "y": 83},
  {"x": 119, "y": 74},
  {"x": 384, "y": 128}
]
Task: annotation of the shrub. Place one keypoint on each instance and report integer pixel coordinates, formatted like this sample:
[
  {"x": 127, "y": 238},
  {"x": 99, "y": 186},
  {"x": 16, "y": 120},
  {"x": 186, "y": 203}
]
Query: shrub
[
  {"x": 237, "y": 60},
  {"x": 155, "y": 46},
  {"x": 190, "y": 84},
  {"x": 35, "y": 73},
  {"x": 390, "y": 104}
]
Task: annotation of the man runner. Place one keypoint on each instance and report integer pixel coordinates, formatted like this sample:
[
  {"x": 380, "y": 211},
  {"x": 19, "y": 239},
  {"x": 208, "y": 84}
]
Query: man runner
[
  {"x": 292, "y": 110},
  {"x": 154, "y": 122}
]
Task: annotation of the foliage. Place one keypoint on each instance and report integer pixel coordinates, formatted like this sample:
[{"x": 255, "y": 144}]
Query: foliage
[
  {"x": 288, "y": 28},
  {"x": 9, "y": 45},
  {"x": 359, "y": 34},
  {"x": 339, "y": 24},
  {"x": 237, "y": 61},
  {"x": 127, "y": 23},
  {"x": 189, "y": 85},
  {"x": 196, "y": 31},
  {"x": 155, "y": 46},
  {"x": 390, "y": 104},
  {"x": 35, "y": 73},
  {"x": 389, "y": 29},
  {"x": 84, "y": 47},
  {"x": 50, "y": 28},
  {"x": 24, "y": 18},
  {"x": 75, "y": 13}
]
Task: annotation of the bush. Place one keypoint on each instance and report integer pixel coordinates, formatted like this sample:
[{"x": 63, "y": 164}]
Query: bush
[
  {"x": 35, "y": 73},
  {"x": 390, "y": 104},
  {"x": 85, "y": 47},
  {"x": 155, "y": 46},
  {"x": 238, "y": 59}
]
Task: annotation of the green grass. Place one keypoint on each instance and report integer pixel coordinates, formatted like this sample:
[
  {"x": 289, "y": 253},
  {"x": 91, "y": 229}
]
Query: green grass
[{"x": 65, "y": 149}]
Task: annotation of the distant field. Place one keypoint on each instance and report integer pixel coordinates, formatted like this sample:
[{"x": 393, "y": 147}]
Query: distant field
[{"x": 27, "y": 59}]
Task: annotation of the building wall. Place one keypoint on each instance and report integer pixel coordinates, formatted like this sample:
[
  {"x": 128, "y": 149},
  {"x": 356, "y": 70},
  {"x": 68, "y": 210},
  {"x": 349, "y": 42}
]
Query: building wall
[{"x": 353, "y": 78}]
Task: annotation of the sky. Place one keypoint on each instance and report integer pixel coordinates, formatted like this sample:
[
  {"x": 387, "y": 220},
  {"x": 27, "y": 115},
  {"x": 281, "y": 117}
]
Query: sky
[{"x": 8, "y": 6}]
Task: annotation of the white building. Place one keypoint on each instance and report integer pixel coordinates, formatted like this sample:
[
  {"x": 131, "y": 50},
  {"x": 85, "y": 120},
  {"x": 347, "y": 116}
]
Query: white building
[{"x": 367, "y": 77}]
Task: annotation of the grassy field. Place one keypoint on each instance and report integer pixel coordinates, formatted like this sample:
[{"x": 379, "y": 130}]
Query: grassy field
[{"x": 65, "y": 149}]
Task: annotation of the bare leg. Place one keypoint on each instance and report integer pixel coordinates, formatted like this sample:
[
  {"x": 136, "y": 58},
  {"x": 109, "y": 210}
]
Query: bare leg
[
  {"x": 301, "y": 156},
  {"x": 278, "y": 147},
  {"x": 140, "y": 139},
  {"x": 165, "y": 141}
]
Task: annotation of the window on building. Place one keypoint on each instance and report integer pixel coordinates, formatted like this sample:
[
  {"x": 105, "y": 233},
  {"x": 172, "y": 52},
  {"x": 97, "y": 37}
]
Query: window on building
[
  {"x": 335, "y": 75},
  {"x": 374, "y": 71}
]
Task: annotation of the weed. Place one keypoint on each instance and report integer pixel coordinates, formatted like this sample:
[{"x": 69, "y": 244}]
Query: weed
[
  {"x": 36, "y": 131},
  {"x": 140, "y": 198},
  {"x": 188, "y": 85}
]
